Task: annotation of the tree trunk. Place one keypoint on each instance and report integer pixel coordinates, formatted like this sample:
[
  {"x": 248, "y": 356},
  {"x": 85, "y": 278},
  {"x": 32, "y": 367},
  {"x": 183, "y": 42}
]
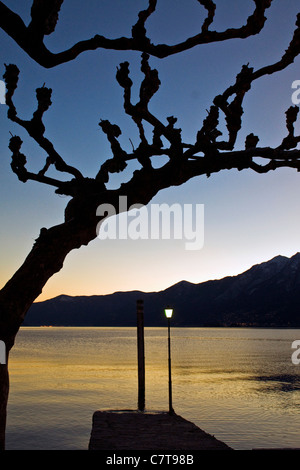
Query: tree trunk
[
  {"x": 4, "y": 389},
  {"x": 49, "y": 252},
  {"x": 45, "y": 259}
]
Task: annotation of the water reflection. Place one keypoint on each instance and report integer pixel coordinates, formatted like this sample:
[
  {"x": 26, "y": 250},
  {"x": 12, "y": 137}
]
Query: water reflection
[
  {"x": 283, "y": 382},
  {"x": 232, "y": 383}
]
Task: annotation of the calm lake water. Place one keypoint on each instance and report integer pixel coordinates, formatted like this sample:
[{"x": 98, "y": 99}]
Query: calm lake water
[{"x": 238, "y": 384}]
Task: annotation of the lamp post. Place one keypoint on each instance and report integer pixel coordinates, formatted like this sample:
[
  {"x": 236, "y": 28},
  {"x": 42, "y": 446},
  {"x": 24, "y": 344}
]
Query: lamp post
[
  {"x": 141, "y": 355},
  {"x": 169, "y": 313}
]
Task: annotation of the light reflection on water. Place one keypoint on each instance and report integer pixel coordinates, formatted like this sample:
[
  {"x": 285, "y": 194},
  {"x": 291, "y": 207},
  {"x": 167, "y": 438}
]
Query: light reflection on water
[{"x": 238, "y": 384}]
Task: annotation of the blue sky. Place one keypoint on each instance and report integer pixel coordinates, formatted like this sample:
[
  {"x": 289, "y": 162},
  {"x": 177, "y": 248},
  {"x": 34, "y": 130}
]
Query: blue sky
[{"x": 249, "y": 218}]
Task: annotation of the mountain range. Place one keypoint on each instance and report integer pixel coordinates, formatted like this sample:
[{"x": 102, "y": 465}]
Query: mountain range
[{"x": 266, "y": 295}]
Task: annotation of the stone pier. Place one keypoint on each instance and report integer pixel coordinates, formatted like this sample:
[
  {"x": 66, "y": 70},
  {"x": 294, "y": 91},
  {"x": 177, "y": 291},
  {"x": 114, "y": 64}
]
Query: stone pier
[{"x": 135, "y": 430}]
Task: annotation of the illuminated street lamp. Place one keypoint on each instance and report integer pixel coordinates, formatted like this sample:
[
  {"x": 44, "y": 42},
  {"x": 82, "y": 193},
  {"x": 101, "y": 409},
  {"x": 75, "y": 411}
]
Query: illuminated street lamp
[{"x": 169, "y": 313}]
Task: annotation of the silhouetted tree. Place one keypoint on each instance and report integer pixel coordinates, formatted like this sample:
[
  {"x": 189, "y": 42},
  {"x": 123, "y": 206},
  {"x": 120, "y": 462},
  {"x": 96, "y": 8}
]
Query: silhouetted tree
[{"x": 207, "y": 154}]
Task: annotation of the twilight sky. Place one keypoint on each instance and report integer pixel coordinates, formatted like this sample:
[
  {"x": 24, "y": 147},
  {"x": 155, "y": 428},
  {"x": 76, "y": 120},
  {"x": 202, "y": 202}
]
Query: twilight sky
[{"x": 248, "y": 218}]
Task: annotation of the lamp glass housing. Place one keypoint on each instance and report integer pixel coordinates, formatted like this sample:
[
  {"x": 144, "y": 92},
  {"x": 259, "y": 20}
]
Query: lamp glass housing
[{"x": 168, "y": 312}]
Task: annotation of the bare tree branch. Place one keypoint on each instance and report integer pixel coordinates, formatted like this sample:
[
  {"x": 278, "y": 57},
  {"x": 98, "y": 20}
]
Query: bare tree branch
[
  {"x": 138, "y": 31},
  {"x": 211, "y": 8},
  {"x": 287, "y": 58},
  {"x": 216, "y": 156},
  {"x": 206, "y": 156},
  {"x": 44, "y": 17},
  {"x": 35, "y": 126},
  {"x": 44, "y": 14}
]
